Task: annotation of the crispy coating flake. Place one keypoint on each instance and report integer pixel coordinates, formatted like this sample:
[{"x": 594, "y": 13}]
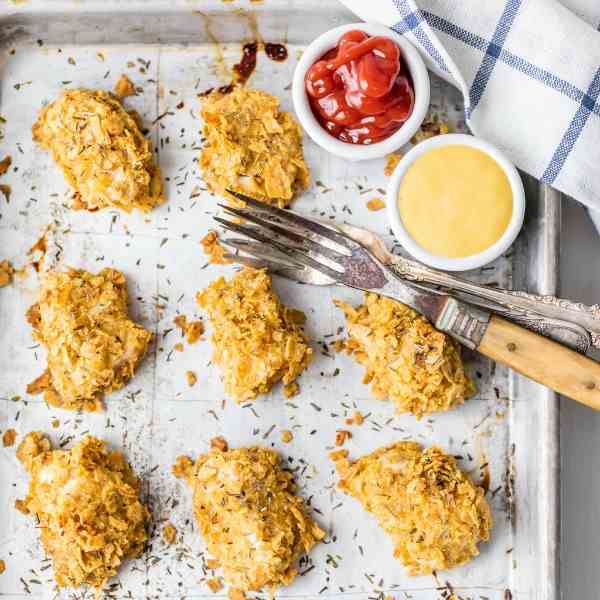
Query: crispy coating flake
[
  {"x": 101, "y": 151},
  {"x": 124, "y": 87},
  {"x": 87, "y": 503},
  {"x": 6, "y": 273},
  {"x": 213, "y": 250},
  {"x": 93, "y": 346},
  {"x": 249, "y": 516},
  {"x": 252, "y": 147},
  {"x": 169, "y": 534},
  {"x": 407, "y": 359},
  {"x": 257, "y": 341},
  {"x": 432, "y": 511}
]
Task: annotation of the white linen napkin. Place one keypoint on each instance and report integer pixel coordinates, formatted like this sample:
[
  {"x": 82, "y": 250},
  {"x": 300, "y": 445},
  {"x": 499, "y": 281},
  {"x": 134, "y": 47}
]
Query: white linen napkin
[{"x": 529, "y": 71}]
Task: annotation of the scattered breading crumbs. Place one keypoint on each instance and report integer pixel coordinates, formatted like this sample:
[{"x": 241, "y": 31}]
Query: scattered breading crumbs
[
  {"x": 9, "y": 437},
  {"x": 287, "y": 436},
  {"x": 257, "y": 341},
  {"x": 391, "y": 161},
  {"x": 375, "y": 204},
  {"x": 341, "y": 435},
  {"x": 5, "y": 164},
  {"x": 101, "y": 151},
  {"x": 192, "y": 330},
  {"x": 169, "y": 534},
  {"x": 191, "y": 378},
  {"x": 249, "y": 516},
  {"x": 214, "y": 584},
  {"x": 431, "y": 127},
  {"x": 124, "y": 87},
  {"x": 407, "y": 360},
  {"x": 219, "y": 443},
  {"x": 6, "y": 273},
  {"x": 355, "y": 419},
  {"x": 434, "y": 514},
  {"x": 93, "y": 346},
  {"x": 178, "y": 347},
  {"x": 6, "y": 191},
  {"x": 252, "y": 147},
  {"x": 86, "y": 503},
  {"x": 213, "y": 249}
]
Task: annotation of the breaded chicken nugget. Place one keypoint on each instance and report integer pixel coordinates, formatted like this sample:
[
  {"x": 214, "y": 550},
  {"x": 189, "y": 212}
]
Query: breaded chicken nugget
[
  {"x": 257, "y": 341},
  {"x": 86, "y": 501},
  {"x": 434, "y": 514},
  {"x": 252, "y": 147},
  {"x": 101, "y": 151},
  {"x": 93, "y": 346},
  {"x": 407, "y": 360},
  {"x": 248, "y": 515}
]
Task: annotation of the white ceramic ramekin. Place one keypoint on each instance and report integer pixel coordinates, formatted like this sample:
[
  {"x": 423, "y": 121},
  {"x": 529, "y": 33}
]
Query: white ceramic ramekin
[
  {"x": 355, "y": 152},
  {"x": 468, "y": 262}
]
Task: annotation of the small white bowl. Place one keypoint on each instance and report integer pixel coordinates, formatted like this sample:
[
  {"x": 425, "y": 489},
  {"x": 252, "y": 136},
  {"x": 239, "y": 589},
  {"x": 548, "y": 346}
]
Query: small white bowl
[
  {"x": 356, "y": 152},
  {"x": 468, "y": 262}
]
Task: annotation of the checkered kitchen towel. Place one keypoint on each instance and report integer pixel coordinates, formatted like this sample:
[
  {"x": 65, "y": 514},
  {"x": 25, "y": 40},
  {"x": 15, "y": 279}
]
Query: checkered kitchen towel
[{"x": 529, "y": 71}]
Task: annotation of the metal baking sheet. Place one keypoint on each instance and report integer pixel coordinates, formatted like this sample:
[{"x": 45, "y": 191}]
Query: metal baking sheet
[{"x": 173, "y": 51}]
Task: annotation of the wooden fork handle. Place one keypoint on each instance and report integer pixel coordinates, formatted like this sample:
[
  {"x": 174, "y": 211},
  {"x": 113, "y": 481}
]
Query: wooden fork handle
[{"x": 555, "y": 366}]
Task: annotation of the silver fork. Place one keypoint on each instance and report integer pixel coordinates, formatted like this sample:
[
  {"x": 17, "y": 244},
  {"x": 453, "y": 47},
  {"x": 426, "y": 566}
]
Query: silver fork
[
  {"x": 312, "y": 252},
  {"x": 304, "y": 250}
]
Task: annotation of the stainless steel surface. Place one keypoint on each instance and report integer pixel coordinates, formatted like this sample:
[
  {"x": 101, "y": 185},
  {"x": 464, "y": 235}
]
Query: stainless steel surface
[{"x": 510, "y": 425}]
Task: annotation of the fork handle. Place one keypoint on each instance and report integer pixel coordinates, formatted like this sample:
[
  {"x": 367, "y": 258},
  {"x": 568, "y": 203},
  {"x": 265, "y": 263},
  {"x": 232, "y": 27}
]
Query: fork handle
[{"x": 543, "y": 360}]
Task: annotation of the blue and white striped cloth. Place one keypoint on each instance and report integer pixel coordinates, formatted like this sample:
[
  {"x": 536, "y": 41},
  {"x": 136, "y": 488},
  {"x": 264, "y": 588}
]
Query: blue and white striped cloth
[{"x": 529, "y": 71}]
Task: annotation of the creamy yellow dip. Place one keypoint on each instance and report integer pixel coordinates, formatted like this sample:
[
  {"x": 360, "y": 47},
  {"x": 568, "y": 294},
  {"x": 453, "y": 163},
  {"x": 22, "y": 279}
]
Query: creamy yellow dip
[{"x": 455, "y": 201}]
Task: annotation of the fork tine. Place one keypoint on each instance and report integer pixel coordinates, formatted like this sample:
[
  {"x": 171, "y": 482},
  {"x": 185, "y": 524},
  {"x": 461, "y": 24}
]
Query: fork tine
[
  {"x": 296, "y": 256},
  {"x": 299, "y": 273},
  {"x": 286, "y": 235},
  {"x": 319, "y": 232}
]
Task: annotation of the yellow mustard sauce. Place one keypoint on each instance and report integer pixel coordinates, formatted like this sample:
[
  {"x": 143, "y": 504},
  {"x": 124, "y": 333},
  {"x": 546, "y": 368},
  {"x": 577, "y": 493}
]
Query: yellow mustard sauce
[{"x": 455, "y": 201}]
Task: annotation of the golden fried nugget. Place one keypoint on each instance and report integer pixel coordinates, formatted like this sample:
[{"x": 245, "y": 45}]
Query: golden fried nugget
[
  {"x": 101, "y": 151},
  {"x": 252, "y": 147},
  {"x": 86, "y": 501},
  {"x": 407, "y": 359},
  {"x": 93, "y": 346},
  {"x": 257, "y": 341},
  {"x": 248, "y": 515},
  {"x": 432, "y": 511}
]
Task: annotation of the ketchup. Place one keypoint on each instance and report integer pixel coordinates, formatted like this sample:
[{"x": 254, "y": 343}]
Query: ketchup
[{"x": 360, "y": 91}]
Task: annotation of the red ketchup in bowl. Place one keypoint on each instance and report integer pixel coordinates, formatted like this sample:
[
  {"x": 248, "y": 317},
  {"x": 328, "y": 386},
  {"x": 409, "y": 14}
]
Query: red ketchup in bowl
[{"x": 361, "y": 91}]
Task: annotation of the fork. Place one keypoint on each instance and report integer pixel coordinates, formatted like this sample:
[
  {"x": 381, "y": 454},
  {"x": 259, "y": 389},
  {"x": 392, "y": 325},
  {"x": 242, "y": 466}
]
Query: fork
[{"x": 311, "y": 252}]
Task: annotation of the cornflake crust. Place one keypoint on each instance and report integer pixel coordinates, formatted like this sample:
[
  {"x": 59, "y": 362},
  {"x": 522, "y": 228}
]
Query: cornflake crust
[
  {"x": 86, "y": 502},
  {"x": 407, "y": 360},
  {"x": 434, "y": 514},
  {"x": 250, "y": 518},
  {"x": 257, "y": 341},
  {"x": 93, "y": 346},
  {"x": 252, "y": 147},
  {"x": 101, "y": 151}
]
